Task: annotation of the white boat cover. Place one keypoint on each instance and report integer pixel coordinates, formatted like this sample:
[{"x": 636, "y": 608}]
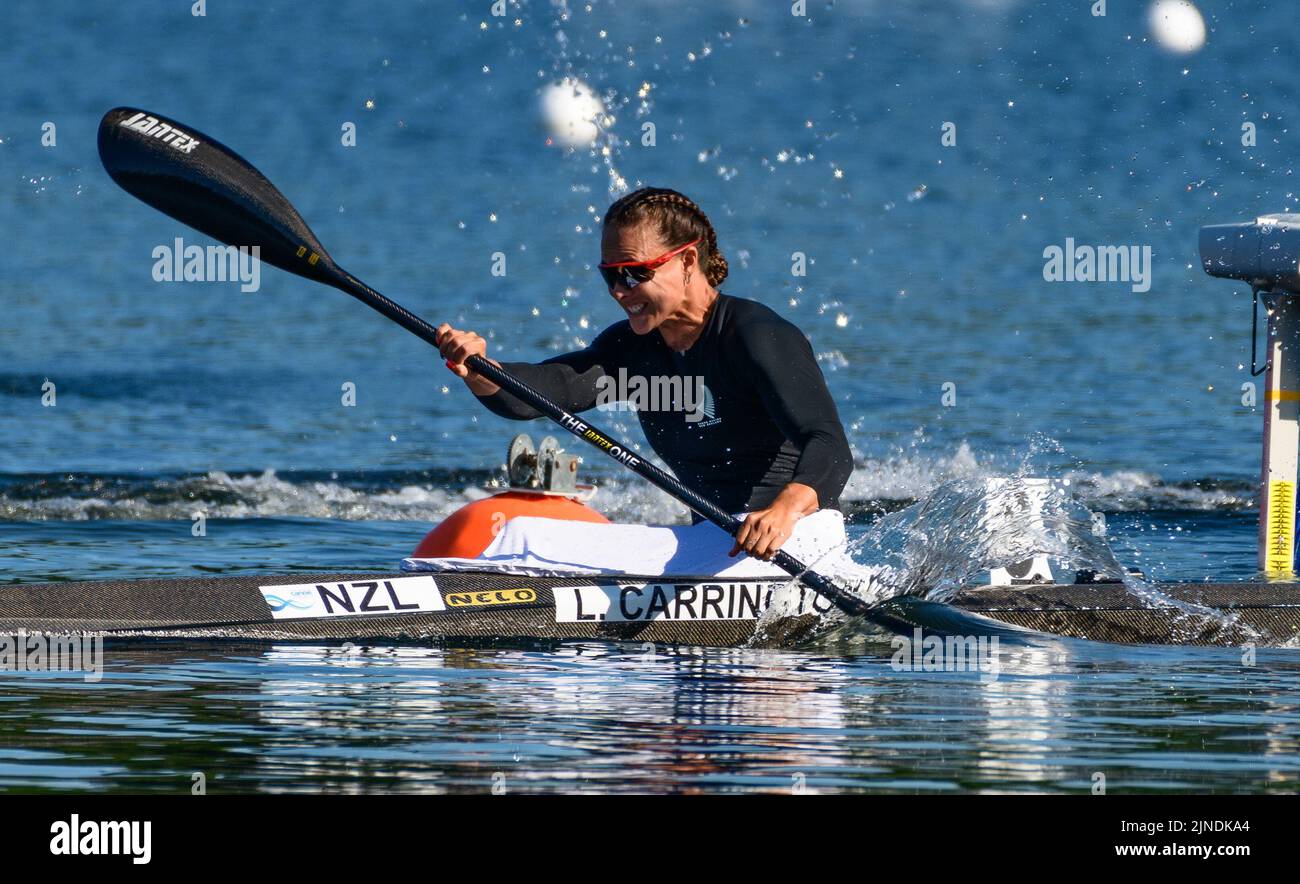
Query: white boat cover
[{"x": 539, "y": 547}]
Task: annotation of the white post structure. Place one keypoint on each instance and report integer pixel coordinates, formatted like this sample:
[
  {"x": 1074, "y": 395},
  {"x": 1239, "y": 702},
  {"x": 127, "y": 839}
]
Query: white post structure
[
  {"x": 1266, "y": 253},
  {"x": 1277, "y": 482}
]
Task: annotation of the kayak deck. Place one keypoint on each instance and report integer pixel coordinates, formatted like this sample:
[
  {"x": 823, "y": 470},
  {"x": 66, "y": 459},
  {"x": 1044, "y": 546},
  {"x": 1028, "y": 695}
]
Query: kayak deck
[
  {"x": 671, "y": 610},
  {"x": 1265, "y": 612},
  {"x": 474, "y": 605}
]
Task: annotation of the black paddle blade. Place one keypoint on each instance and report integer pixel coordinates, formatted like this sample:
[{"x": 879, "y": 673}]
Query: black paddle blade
[{"x": 201, "y": 182}]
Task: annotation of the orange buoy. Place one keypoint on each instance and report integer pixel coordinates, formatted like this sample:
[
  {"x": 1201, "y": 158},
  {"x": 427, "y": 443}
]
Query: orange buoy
[
  {"x": 471, "y": 529},
  {"x": 543, "y": 482}
]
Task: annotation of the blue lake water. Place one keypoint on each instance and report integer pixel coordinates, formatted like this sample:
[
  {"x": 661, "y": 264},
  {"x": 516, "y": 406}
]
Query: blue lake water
[{"x": 819, "y": 135}]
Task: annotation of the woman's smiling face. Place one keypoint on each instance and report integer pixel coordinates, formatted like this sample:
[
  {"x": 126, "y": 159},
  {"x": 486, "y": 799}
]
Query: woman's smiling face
[{"x": 648, "y": 304}]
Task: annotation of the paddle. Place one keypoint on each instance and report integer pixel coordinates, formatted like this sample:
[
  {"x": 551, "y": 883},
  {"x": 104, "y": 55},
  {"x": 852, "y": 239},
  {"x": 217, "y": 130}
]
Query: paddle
[{"x": 199, "y": 182}]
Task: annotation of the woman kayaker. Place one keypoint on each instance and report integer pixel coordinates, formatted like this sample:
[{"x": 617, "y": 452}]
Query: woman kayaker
[{"x": 750, "y": 425}]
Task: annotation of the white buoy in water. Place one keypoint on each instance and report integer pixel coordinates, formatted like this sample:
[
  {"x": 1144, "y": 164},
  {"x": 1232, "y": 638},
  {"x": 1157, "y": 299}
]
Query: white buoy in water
[
  {"x": 572, "y": 112},
  {"x": 1177, "y": 25}
]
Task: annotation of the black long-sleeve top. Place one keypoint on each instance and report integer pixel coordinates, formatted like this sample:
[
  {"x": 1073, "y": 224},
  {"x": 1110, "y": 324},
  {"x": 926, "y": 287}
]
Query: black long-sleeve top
[{"x": 762, "y": 418}]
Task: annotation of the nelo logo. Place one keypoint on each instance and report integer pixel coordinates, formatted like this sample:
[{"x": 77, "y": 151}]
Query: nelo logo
[{"x": 491, "y": 597}]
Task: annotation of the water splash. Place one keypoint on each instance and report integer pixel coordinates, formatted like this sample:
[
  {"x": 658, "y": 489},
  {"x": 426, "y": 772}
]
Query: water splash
[
  {"x": 877, "y": 486},
  {"x": 966, "y": 528}
]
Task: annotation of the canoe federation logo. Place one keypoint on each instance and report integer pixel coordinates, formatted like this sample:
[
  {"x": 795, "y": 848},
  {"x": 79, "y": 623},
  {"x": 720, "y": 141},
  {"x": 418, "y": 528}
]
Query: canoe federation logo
[
  {"x": 708, "y": 409},
  {"x": 356, "y": 598},
  {"x": 164, "y": 132}
]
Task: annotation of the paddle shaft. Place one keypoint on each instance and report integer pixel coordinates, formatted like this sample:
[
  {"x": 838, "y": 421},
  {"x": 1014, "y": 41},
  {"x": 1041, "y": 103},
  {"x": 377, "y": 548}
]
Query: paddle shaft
[{"x": 587, "y": 432}]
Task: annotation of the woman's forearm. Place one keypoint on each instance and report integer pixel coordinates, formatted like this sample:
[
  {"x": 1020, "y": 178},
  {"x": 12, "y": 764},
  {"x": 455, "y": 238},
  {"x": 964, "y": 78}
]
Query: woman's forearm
[{"x": 798, "y": 497}]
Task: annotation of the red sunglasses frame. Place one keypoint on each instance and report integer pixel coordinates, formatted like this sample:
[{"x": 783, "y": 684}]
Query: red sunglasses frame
[{"x": 649, "y": 266}]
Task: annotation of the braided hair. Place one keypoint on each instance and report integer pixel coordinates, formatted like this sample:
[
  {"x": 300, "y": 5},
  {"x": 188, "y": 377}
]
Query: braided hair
[{"x": 678, "y": 219}]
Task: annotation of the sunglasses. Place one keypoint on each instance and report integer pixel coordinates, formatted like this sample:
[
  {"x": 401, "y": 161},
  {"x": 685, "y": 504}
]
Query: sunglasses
[{"x": 632, "y": 273}]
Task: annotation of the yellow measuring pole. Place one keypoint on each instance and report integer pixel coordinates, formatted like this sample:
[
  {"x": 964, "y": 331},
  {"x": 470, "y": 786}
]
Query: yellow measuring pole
[{"x": 1281, "y": 438}]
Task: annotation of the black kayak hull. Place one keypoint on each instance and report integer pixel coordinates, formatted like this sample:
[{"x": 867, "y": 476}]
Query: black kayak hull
[{"x": 707, "y": 611}]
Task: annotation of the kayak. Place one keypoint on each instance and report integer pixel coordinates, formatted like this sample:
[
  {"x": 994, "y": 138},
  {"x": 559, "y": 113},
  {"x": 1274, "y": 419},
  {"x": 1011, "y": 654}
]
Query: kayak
[{"x": 708, "y": 611}]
